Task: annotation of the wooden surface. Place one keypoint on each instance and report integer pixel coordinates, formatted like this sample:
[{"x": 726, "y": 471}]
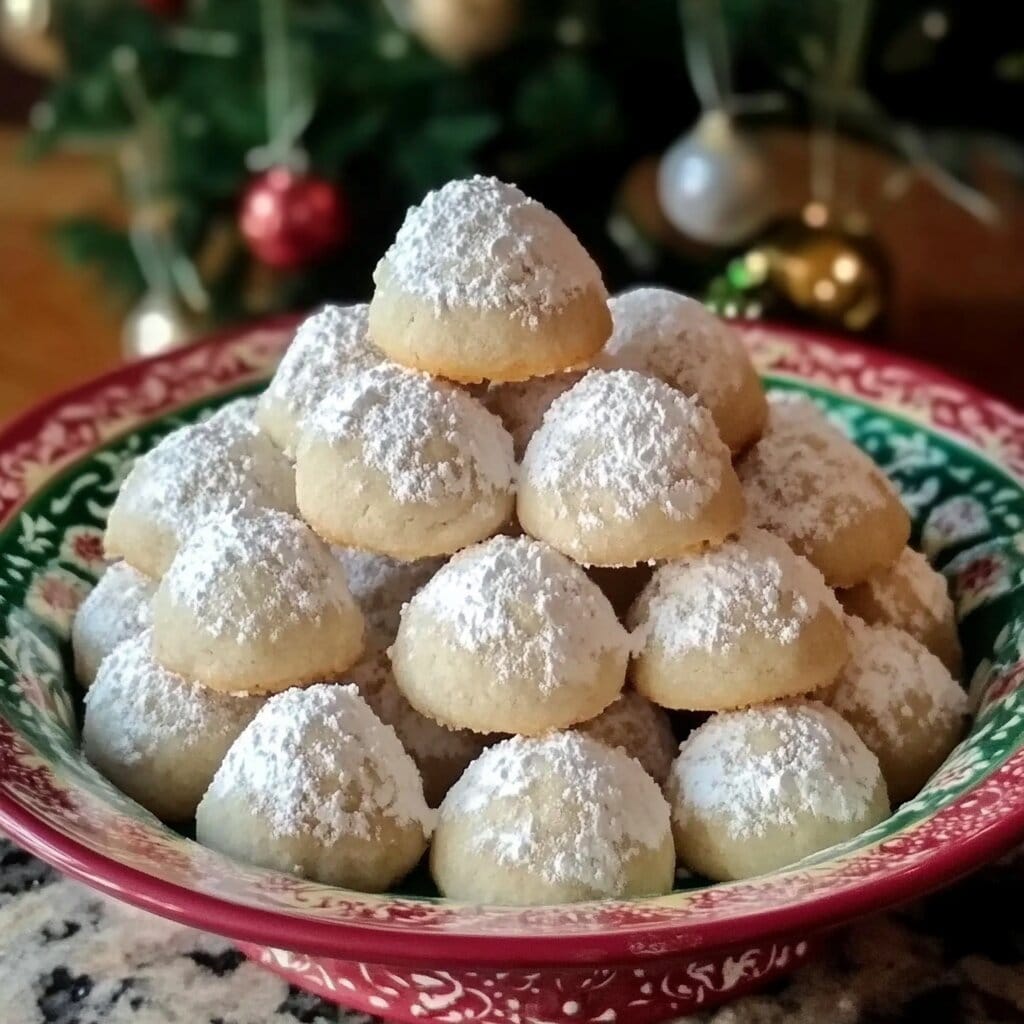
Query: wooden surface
[
  {"x": 958, "y": 295},
  {"x": 56, "y": 327}
]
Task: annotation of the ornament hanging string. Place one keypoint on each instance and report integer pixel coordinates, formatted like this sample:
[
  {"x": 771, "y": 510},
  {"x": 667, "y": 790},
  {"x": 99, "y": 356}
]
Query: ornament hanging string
[
  {"x": 709, "y": 63},
  {"x": 288, "y": 100},
  {"x": 165, "y": 267}
]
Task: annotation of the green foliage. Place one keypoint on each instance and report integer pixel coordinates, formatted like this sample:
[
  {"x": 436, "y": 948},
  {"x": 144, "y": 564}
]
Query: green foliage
[
  {"x": 389, "y": 120},
  {"x": 583, "y": 90}
]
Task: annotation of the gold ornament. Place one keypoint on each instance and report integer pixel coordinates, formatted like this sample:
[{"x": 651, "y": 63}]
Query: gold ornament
[
  {"x": 27, "y": 35},
  {"x": 460, "y": 31},
  {"x": 157, "y": 324},
  {"x": 825, "y": 272}
]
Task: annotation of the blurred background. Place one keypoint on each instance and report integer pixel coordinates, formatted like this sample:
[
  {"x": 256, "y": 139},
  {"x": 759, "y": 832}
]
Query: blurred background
[{"x": 169, "y": 166}]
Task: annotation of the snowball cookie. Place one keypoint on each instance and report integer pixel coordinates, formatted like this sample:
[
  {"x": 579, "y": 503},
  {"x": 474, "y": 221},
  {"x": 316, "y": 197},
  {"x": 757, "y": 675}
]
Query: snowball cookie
[
  {"x": 116, "y": 609},
  {"x": 759, "y": 789},
  {"x": 194, "y": 473},
  {"x": 510, "y": 636},
  {"x": 319, "y": 787},
  {"x": 748, "y": 622},
  {"x": 903, "y": 703},
  {"x": 158, "y": 737},
  {"x": 397, "y": 463},
  {"x": 331, "y": 342},
  {"x": 255, "y": 601},
  {"x": 813, "y": 487},
  {"x": 554, "y": 819},
  {"x": 625, "y": 469},
  {"x": 521, "y": 404},
  {"x": 440, "y": 753},
  {"x": 484, "y": 283},
  {"x": 677, "y": 339},
  {"x": 381, "y": 586},
  {"x": 912, "y": 596},
  {"x": 633, "y": 724}
]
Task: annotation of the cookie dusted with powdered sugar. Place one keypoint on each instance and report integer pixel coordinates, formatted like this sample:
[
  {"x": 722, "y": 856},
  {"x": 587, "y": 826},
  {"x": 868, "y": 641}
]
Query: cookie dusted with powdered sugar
[
  {"x": 510, "y": 636},
  {"x": 400, "y": 464},
  {"x": 633, "y": 724},
  {"x": 903, "y": 703},
  {"x": 912, "y": 596},
  {"x": 195, "y": 473},
  {"x": 521, "y": 404},
  {"x": 156, "y": 736},
  {"x": 484, "y": 283},
  {"x": 381, "y": 586},
  {"x": 255, "y": 601},
  {"x": 678, "y": 340},
  {"x": 318, "y": 786},
  {"x": 331, "y": 342},
  {"x": 748, "y": 622},
  {"x": 810, "y": 485},
  {"x": 756, "y": 790},
  {"x": 115, "y": 610},
  {"x": 625, "y": 469},
  {"x": 554, "y": 819}
]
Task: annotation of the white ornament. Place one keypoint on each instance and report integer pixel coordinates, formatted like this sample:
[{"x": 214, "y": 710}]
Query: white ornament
[
  {"x": 712, "y": 183},
  {"x": 155, "y": 325}
]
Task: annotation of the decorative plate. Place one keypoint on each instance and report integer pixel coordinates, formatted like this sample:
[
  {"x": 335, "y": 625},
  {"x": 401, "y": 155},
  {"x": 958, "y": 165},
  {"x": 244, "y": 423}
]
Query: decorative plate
[{"x": 957, "y": 457}]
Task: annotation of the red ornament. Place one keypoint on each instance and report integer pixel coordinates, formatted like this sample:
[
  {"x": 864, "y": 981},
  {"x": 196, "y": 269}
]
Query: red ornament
[{"x": 290, "y": 219}]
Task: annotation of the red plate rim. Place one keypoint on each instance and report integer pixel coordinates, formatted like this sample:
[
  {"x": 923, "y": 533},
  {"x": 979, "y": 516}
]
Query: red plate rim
[{"x": 350, "y": 940}]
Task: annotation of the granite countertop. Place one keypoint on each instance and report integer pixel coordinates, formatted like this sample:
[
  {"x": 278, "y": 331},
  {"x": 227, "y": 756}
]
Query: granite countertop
[{"x": 71, "y": 956}]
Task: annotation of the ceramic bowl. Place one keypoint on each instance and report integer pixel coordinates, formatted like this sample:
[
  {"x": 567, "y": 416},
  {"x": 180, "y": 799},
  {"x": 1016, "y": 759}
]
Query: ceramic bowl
[{"x": 957, "y": 457}]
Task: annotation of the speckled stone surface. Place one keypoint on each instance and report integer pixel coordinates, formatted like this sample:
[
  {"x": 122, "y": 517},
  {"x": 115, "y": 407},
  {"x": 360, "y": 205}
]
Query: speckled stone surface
[{"x": 71, "y": 956}]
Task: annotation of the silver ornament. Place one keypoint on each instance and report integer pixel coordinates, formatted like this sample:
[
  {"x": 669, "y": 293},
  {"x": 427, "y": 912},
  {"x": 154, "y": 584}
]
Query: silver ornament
[
  {"x": 157, "y": 324},
  {"x": 713, "y": 185}
]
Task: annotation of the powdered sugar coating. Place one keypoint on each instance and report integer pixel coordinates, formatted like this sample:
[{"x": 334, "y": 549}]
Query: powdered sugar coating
[
  {"x": 621, "y": 442},
  {"x": 234, "y": 416},
  {"x": 521, "y": 405},
  {"x": 893, "y": 683},
  {"x": 381, "y": 586},
  {"x": 428, "y": 438},
  {"x": 928, "y": 587},
  {"x": 766, "y": 768},
  {"x": 252, "y": 572},
  {"x": 527, "y": 609},
  {"x": 318, "y": 762},
  {"x": 156, "y": 709},
  {"x": 481, "y": 244},
  {"x": 804, "y": 479},
  {"x": 755, "y": 583},
  {"x": 204, "y": 471},
  {"x": 675, "y": 338},
  {"x": 116, "y": 609},
  {"x": 331, "y": 342},
  {"x": 639, "y": 728},
  {"x": 607, "y": 807}
]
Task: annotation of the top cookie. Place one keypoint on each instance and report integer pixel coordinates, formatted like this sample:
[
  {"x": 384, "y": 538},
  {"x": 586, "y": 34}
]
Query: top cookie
[
  {"x": 484, "y": 283},
  {"x": 670, "y": 336}
]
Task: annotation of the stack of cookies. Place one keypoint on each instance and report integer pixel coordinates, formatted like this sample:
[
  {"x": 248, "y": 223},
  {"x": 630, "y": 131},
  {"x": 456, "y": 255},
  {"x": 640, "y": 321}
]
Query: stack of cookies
[{"x": 479, "y": 557}]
